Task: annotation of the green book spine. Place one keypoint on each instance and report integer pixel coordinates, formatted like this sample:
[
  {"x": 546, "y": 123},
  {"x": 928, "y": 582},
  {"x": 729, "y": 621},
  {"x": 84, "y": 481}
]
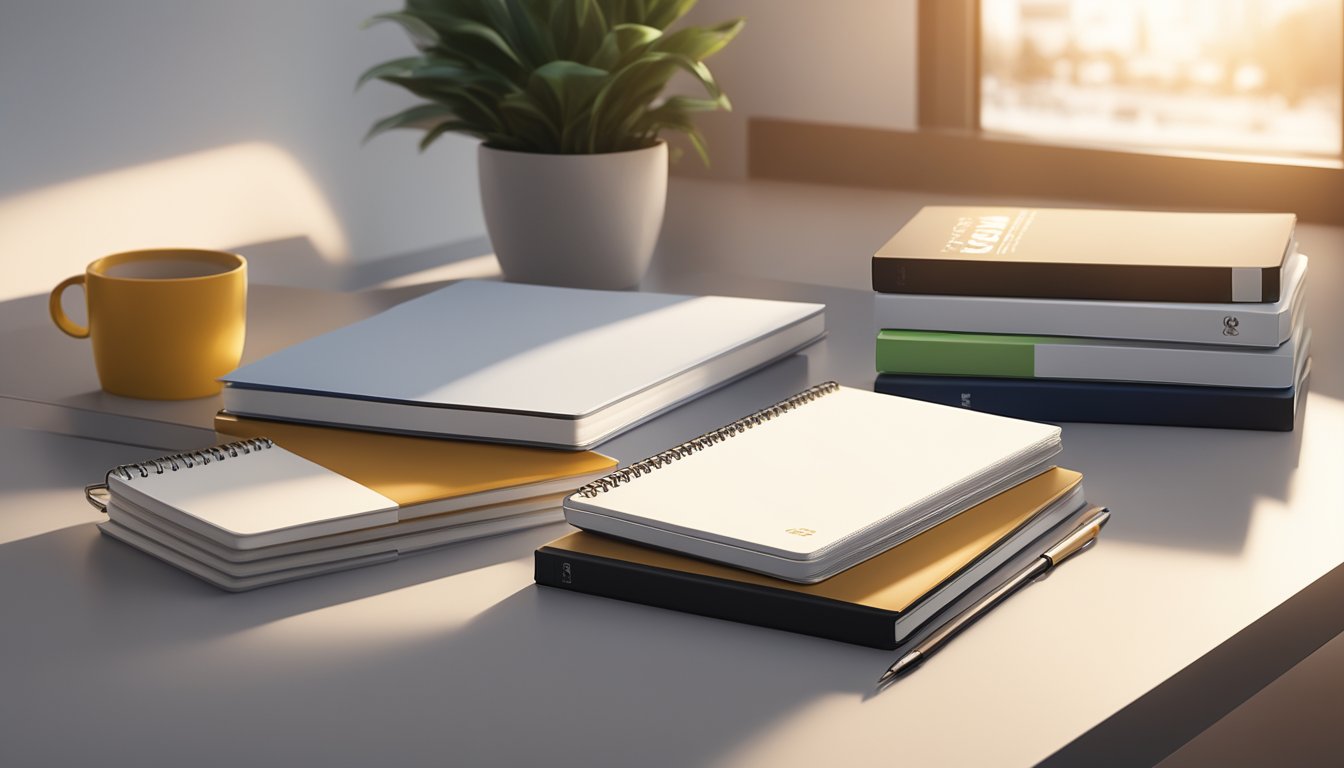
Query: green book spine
[{"x": 956, "y": 354}]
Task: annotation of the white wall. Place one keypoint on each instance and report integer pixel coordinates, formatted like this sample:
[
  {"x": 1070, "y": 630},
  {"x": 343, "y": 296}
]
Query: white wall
[
  {"x": 839, "y": 61},
  {"x": 137, "y": 123},
  {"x": 140, "y": 123},
  {"x": 849, "y": 62}
]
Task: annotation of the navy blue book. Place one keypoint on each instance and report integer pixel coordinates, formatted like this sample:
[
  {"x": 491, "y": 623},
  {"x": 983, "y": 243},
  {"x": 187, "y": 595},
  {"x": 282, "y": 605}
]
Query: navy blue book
[{"x": 1172, "y": 405}]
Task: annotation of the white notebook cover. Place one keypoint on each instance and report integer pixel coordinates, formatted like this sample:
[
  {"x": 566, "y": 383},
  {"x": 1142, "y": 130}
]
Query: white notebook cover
[
  {"x": 523, "y": 349},
  {"x": 260, "y": 497},
  {"x": 830, "y": 476}
]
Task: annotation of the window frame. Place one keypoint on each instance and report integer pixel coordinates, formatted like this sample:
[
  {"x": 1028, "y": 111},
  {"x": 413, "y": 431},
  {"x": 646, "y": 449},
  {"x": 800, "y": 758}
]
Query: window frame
[{"x": 950, "y": 153}]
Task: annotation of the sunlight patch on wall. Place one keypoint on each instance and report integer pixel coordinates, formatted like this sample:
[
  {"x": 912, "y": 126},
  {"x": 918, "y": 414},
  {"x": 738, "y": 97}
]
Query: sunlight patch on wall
[{"x": 244, "y": 193}]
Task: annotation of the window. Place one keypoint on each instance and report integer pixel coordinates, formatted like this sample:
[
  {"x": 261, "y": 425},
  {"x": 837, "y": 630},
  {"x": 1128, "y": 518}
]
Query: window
[
  {"x": 1176, "y": 104},
  {"x": 1234, "y": 76}
]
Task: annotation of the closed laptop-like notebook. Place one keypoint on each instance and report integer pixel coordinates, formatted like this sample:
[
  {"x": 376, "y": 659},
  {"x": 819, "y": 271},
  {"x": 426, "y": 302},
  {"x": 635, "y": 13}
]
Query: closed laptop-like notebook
[
  {"x": 508, "y": 362},
  {"x": 815, "y": 484},
  {"x": 880, "y": 602},
  {"x": 1088, "y": 254},
  {"x": 430, "y": 476}
]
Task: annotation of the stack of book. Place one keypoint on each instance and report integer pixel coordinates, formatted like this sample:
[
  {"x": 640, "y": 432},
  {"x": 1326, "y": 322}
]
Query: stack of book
[
  {"x": 838, "y": 512},
  {"x": 463, "y": 413},
  {"x": 1137, "y": 317}
]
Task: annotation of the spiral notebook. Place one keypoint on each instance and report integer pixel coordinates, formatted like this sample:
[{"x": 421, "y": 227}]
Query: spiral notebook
[
  {"x": 817, "y": 483},
  {"x": 247, "y": 494},
  {"x": 251, "y": 513}
]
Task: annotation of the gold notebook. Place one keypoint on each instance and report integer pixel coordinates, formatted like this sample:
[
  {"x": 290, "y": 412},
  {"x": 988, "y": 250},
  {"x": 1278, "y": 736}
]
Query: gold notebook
[{"x": 426, "y": 475}]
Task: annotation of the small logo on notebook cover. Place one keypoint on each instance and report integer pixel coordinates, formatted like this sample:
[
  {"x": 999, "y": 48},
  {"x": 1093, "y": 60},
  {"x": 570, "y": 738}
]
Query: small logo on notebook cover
[
  {"x": 800, "y": 531},
  {"x": 965, "y": 399},
  {"x": 566, "y": 575},
  {"x": 1230, "y": 324}
]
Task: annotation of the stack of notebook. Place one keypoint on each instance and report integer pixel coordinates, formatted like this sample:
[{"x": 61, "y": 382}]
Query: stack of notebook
[
  {"x": 1190, "y": 319},
  {"x": 459, "y": 414},
  {"x": 837, "y": 512},
  {"x": 310, "y": 500}
]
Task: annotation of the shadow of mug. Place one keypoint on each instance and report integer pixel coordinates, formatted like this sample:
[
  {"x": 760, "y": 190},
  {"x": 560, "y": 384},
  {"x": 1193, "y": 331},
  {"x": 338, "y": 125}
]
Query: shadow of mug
[{"x": 165, "y": 324}]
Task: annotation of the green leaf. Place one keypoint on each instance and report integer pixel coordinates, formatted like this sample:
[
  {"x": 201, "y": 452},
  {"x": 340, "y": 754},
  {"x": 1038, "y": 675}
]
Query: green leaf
[
  {"x": 444, "y": 127},
  {"x": 522, "y": 116},
  {"x": 479, "y": 31},
  {"x": 623, "y": 42},
  {"x": 572, "y": 83},
  {"x": 447, "y": 73},
  {"x": 566, "y": 89},
  {"x": 661, "y": 13},
  {"x": 400, "y": 67},
  {"x": 552, "y": 75},
  {"x": 527, "y": 38},
  {"x": 700, "y": 42},
  {"x": 590, "y": 28},
  {"x": 422, "y": 34},
  {"x": 415, "y": 117},
  {"x": 675, "y": 114},
  {"x": 634, "y": 86}
]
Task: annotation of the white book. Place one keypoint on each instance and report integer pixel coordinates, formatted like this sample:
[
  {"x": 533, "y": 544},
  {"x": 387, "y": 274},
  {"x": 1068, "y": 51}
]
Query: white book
[
  {"x": 530, "y": 364},
  {"x": 817, "y": 483},
  {"x": 1241, "y": 324}
]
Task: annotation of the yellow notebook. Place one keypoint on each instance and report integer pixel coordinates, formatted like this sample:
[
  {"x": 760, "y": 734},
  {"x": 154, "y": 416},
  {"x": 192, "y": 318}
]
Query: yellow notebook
[
  {"x": 429, "y": 476},
  {"x": 878, "y": 602}
]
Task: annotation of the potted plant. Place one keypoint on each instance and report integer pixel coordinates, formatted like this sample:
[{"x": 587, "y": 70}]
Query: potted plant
[{"x": 566, "y": 98}]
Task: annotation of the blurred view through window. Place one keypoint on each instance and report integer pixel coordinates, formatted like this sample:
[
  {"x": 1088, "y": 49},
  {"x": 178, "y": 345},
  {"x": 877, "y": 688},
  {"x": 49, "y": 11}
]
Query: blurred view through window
[{"x": 1246, "y": 76}]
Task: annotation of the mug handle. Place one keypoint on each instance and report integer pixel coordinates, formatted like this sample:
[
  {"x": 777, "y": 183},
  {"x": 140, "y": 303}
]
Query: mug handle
[{"x": 58, "y": 314}]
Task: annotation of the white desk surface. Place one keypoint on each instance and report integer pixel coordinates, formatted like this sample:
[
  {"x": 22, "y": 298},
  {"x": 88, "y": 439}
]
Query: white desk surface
[{"x": 455, "y": 657}]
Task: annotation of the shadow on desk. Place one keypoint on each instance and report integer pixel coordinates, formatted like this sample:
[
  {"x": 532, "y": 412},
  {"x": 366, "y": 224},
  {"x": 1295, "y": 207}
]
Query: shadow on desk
[
  {"x": 1183, "y": 487},
  {"x": 159, "y": 605},
  {"x": 623, "y": 679},
  {"x": 579, "y": 670}
]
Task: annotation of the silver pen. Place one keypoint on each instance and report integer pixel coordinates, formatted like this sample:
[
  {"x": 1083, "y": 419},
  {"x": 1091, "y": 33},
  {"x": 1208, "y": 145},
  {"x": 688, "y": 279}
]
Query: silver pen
[{"x": 1075, "y": 542}]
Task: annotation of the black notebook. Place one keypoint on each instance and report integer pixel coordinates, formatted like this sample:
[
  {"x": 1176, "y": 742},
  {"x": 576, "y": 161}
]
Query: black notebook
[{"x": 881, "y": 602}]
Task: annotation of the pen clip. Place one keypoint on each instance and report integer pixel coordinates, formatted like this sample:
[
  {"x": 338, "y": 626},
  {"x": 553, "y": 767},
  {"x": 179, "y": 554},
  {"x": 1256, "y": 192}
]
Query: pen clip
[
  {"x": 1081, "y": 538},
  {"x": 1048, "y": 572},
  {"x": 97, "y": 495}
]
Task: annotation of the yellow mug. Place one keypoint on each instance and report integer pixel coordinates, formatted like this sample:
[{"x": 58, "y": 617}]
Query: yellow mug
[{"x": 165, "y": 324}]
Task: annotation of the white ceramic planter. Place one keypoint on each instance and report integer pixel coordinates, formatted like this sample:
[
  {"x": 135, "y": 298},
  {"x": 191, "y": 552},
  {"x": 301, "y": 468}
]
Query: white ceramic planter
[{"x": 586, "y": 221}]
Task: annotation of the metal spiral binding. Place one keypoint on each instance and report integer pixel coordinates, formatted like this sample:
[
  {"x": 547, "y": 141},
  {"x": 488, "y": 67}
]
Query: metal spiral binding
[
  {"x": 192, "y": 458},
  {"x": 695, "y": 445},
  {"x": 97, "y": 495}
]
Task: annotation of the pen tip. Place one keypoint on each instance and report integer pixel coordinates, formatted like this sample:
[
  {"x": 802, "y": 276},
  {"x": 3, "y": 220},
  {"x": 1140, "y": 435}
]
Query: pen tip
[{"x": 904, "y": 664}]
